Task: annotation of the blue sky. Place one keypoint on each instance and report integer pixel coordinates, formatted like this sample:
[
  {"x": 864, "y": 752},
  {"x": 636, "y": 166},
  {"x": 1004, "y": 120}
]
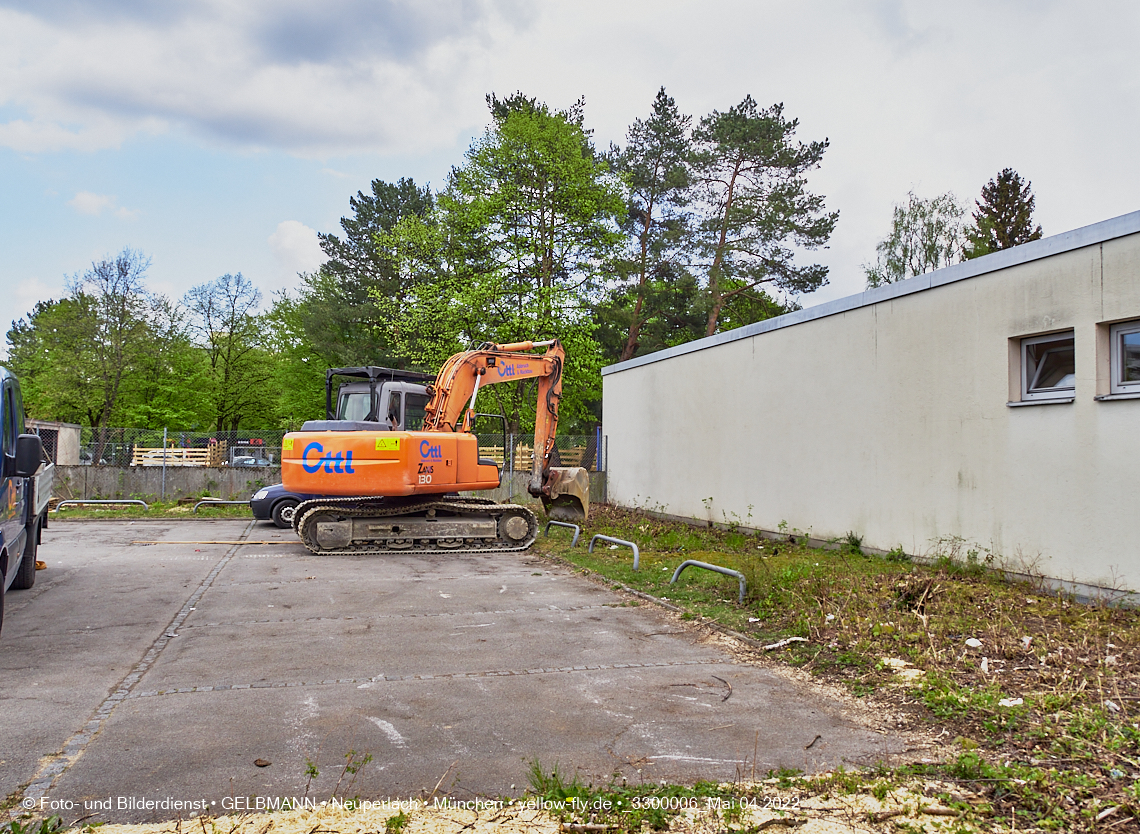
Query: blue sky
[{"x": 220, "y": 137}]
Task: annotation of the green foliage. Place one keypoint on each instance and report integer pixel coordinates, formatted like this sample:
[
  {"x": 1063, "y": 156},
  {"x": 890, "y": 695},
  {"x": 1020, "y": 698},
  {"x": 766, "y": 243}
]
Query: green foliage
[
  {"x": 897, "y": 554},
  {"x": 230, "y": 335},
  {"x": 654, "y": 165},
  {"x": 516, "y": 250},
  {"x": 754, "y": 206},
  {"x": 25, "y": 825},
  {"x": 853, "y": 543},
  {"x": 631, "y": 808},
  {"x": 349, "y": 310},
  {"x": 536, "y": 235},
  {"x": 925, "y": 235},
  {"x": 1004, "y": 216},
  {"x": 110, "y": 353},
  {"x": 395, "y": 825}
]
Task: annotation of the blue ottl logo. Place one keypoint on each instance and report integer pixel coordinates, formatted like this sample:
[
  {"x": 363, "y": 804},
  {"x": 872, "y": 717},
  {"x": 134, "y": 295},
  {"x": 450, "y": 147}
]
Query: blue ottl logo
[
  {"x": 430, "y": 451},
  {"x": 338, "y": 464}
]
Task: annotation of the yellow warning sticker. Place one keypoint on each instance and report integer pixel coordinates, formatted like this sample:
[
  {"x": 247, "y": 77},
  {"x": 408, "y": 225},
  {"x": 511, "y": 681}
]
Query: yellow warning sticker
[
  {"x": 387, "y": 444},
  {"x": 287, "y": 444}
]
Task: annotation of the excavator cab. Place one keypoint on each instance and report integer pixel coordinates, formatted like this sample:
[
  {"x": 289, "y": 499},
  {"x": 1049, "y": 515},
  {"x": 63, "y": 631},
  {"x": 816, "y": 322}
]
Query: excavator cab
[{"x": 393, "y": 397}]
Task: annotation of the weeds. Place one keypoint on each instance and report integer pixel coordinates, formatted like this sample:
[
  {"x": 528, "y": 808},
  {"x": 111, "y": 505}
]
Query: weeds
[
  {"x": 395, "y": 825},
  {"x": 24, "y": 824},
  {"x": 631, "y": 808},
  {"x": 1037, "y": 692}
]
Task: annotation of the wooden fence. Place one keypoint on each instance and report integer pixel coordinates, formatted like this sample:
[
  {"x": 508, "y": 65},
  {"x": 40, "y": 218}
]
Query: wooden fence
[
  {"x": 212, "y": 455},
  {"x": 524, "y": 454}
]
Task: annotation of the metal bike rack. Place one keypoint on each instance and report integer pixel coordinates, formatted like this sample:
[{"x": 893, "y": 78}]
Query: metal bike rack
[
  {"x": 693, "y": 563},
  {"x": 218, "y": 502},
  {"x": 142, "y": 504},
  {"x": 577, "y": 530},
  {"x": 636, "y": 552}
]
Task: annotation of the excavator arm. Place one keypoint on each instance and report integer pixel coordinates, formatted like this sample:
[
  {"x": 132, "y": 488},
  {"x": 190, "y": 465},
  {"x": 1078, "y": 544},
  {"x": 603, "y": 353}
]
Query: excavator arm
[{"x": 453, "y": 396}]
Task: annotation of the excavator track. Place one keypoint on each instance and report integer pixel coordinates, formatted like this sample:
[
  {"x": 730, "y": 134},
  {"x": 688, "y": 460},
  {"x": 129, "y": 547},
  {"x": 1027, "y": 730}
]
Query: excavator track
[{"x": 357, "y": 526}]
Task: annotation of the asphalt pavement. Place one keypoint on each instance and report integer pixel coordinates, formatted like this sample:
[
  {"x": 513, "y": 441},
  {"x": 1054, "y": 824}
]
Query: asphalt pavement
[{"x": 153, "y": 681}]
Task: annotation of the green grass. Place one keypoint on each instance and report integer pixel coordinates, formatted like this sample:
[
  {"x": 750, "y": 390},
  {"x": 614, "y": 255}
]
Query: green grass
[
  {"x": 1076, "y": 731},
  {"x": 156, "y": 509}
]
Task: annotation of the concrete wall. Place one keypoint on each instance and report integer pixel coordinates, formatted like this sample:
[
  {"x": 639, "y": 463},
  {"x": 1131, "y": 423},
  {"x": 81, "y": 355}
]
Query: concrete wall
[
  {"x": 517, "y": 493},
  {"x": 886, "y": 415},
  {"x": 233, "y": 483},
  {"x": 145, "y": 482}
]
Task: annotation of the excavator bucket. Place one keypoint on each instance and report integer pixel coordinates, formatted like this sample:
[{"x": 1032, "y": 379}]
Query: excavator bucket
[{"x": 568, "y": 498}]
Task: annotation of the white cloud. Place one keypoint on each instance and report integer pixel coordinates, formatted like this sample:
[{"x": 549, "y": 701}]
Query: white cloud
[
  {"x": 355, "y": 75},
  {"x": 296, "y": 249},
  {"x": 933, "y": 97},
  {"x": 88, "y": 202}
]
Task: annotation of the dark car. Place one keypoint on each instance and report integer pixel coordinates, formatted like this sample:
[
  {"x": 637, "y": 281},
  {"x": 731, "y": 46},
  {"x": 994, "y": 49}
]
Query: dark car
[
  {"x": 276, "y": 504},
  {"x": 250, "y": 460}
]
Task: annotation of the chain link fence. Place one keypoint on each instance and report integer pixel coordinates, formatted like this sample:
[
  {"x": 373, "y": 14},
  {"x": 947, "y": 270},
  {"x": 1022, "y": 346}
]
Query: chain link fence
[{"x": 261, "y": 448}]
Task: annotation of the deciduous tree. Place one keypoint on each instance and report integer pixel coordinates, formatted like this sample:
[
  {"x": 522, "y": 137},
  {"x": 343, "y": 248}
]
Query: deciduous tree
[
  {"x": 227, "y": 328},
  {"x": 925, "y": 235},
  {"x": 527, "y": 228}
]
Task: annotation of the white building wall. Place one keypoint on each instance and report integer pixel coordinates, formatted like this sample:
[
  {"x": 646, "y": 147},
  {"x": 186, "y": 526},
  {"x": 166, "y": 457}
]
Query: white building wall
[{"x": 886, "y": 415}]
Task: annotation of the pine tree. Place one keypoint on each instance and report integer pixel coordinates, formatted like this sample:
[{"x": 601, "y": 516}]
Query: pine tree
[{"x": 1004, "y": 217}]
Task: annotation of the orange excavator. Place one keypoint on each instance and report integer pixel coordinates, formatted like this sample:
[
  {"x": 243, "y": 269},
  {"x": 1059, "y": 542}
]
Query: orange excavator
[{"x": 385, "y": 491}]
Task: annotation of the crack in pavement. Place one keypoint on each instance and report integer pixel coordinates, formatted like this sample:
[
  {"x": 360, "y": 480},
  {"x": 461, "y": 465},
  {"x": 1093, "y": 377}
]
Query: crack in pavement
[
  {"x": 74, "y": 747},
  {"x": 550, "y": 609},
  {"x": 492, "y": 673}
]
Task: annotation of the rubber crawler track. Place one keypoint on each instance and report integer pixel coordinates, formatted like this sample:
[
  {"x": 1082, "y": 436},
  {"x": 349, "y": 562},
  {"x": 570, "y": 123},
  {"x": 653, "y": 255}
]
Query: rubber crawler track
[{"x": 307, "y": 514}]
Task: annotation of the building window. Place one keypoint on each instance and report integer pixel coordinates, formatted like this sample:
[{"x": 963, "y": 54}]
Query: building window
[
  {"x": 1125, "y": 357},
  {"x": 1048, "y": 367}
]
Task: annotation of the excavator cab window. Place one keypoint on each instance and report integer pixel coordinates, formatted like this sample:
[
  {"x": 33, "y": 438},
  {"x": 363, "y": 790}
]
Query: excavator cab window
[
  {"x": 415, "y": 407},
  {"x": 353, "y": 406},
  {"x": 393, "y": 415}
]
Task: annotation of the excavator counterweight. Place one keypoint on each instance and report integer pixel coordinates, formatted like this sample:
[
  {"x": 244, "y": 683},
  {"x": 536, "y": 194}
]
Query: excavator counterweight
[{"x": 396, "y": 491}]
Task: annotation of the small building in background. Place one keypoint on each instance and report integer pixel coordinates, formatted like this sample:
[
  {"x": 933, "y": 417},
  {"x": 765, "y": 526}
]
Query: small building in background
[{"x": 61, "y": 440}]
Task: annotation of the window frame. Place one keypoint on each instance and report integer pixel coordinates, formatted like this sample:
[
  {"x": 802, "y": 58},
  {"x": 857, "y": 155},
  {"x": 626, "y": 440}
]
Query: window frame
[
  {"x": 1116, "y": 357},
  {"x": 1046, "y": 395}
]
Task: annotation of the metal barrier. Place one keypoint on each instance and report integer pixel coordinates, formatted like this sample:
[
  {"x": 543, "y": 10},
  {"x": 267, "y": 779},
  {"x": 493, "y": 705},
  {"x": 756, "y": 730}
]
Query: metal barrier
[
  {"x": 218, "y": 501},
  {"x": 636, "y": 552},
  {"x": 693, "y": 563},
  {"x": 577, "y": 530},
  {"x": 143, "y": 504}
]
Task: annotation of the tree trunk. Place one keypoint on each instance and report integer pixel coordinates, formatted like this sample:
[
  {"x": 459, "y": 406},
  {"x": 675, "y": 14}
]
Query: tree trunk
[
  {"x": 635, "y": 323},
  {"x": 718, "y": 258}
]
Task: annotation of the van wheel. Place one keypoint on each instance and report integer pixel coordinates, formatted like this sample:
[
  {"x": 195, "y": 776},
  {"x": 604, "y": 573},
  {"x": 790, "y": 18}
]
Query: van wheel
[
  {"x": 26, "y": 575},
  {"x": 283, "y": 512}
]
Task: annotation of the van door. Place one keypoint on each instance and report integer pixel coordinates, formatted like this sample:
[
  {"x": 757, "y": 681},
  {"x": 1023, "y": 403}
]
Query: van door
[{"x": 12, "y": 502}]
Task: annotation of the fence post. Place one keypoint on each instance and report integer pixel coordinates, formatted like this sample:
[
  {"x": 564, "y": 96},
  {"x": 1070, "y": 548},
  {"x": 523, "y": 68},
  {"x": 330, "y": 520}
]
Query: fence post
[
  {"x": 598, "y": 448},
  {"x": 510, "y": 452},
  {"x": 164, "y": 463}
]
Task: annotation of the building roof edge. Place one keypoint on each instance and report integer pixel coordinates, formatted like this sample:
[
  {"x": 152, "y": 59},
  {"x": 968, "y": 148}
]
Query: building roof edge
[{"x": 1116, "y": 227}]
